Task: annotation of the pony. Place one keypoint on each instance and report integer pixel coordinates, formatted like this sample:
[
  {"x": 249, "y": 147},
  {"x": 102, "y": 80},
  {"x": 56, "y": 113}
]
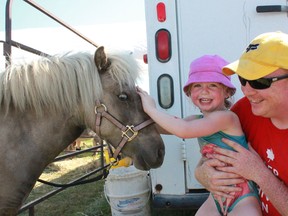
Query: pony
[{"x": 45, "y": 104}]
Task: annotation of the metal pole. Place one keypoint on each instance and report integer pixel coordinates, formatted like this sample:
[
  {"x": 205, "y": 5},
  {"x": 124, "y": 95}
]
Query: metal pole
[
  {"x": 38, "y": 7},
  {"x": 8, "y": 26}
]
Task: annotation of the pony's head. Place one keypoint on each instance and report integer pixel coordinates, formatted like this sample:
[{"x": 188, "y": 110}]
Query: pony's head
[
  {"x": 74, "y": 89},
  {"x": 124, "y": 124}
]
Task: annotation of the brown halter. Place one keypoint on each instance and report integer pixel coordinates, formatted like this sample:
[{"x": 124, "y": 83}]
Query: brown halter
[{"x": 129, "y": 132}]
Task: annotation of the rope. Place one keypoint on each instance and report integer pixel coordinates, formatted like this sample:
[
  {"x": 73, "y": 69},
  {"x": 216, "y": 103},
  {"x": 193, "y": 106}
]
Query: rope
[{"x": 80, "y": 182}]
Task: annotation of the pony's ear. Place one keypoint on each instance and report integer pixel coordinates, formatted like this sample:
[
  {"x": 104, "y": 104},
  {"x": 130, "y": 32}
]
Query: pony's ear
[{"x": 101, "y": 60}]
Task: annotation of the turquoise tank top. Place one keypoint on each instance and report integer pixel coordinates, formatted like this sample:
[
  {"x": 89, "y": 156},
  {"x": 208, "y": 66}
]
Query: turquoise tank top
[{"x": 216, "y": 139}]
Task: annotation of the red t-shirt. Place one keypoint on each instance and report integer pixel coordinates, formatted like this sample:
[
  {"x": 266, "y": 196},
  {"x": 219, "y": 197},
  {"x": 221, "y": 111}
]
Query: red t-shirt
[{"x": 269, "y": 142}]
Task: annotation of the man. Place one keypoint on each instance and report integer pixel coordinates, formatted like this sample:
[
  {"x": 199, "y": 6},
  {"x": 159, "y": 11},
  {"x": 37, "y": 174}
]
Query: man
[{"x": 263, "y": 112}]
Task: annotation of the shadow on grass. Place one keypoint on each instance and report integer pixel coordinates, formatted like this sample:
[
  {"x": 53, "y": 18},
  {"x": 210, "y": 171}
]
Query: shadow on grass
[
  {"x": 86, "y": 199},
  {"x": 51, "y": 168}
]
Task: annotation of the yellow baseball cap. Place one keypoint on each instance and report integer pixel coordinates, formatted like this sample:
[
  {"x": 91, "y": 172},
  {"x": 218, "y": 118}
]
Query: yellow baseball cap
[{"x": 265, "y": 54}]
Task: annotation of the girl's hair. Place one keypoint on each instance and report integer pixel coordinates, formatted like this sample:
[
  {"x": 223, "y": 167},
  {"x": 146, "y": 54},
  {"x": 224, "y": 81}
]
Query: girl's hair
[{"x": 228, "y": 102}]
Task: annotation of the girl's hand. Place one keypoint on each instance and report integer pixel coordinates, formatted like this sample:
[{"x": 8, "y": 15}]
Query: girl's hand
[{"x": 148, "y": 102}]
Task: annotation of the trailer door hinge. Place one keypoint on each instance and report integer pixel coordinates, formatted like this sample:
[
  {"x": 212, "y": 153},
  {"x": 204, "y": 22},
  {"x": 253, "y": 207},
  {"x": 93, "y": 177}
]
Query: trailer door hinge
[{"x": 183, "y": 147}]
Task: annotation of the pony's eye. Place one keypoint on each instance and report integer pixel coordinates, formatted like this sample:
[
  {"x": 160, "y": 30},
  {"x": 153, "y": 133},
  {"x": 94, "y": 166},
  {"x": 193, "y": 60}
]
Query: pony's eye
[{"x": 123, "y": 97}]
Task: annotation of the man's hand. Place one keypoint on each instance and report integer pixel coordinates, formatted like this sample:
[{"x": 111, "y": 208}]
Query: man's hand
[
  {"x": 242, "y": 161},
  {"x": 216, "y": 181}
]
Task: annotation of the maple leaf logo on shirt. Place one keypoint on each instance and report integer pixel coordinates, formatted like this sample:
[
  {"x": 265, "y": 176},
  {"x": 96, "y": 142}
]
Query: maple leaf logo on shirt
[{"x": 270, "y": 154}]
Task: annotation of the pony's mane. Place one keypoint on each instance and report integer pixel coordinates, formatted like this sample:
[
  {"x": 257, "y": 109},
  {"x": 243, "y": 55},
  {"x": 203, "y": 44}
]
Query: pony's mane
[{"x": 61, "y": 82}]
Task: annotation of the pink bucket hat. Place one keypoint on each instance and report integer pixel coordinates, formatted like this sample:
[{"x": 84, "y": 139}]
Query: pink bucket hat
[{"x": 208, "y": 68}]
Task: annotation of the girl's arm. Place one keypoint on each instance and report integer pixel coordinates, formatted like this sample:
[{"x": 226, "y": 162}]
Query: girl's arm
[
  {"x": 161, "y": 130},
  {"x": 190, "y": 127}
]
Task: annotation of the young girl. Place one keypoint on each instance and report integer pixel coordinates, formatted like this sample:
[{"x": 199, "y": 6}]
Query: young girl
[{"x": 209, "y": 89}]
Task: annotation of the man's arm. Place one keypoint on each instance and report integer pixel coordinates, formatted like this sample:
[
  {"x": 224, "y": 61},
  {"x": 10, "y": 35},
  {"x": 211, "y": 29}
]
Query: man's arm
[
  {"x": 248, "y": 164},
  {"x": 217, "y": 182}
]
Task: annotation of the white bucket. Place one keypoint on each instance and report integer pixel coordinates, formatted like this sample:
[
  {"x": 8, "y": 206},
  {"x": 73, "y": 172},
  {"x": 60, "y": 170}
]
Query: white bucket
[{"x": 127, "y": 190}]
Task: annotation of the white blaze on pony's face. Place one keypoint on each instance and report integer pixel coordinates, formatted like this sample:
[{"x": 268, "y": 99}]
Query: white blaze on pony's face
[{"x": 118, "y": 78}]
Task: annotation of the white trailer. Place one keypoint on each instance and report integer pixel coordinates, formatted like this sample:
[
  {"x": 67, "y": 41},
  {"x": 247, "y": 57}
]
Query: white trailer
[{"x": 179, "y": 31}]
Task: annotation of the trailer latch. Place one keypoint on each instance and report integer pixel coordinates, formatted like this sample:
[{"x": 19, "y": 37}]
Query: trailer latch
[{"x": 271, "y": 8}]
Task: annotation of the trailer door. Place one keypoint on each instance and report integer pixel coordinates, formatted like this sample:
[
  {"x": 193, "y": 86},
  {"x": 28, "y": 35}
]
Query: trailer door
[{"x": 177, "y": 32}]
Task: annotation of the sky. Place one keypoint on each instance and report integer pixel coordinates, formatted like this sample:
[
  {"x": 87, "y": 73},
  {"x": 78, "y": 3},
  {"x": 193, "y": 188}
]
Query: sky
[
  {"x": 74, "y": 12},
  {"x": 115, "y": 24}
]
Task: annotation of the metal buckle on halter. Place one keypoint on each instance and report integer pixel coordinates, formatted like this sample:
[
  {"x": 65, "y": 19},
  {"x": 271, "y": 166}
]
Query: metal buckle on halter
[
  {"x": 129, "y": 130},
  {"x": 98, "y": 106}
]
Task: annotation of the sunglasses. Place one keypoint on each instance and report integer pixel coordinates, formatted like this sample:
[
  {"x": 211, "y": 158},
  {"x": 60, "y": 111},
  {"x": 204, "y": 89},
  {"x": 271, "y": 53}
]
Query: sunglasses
[{"x": 262, "y": 83}]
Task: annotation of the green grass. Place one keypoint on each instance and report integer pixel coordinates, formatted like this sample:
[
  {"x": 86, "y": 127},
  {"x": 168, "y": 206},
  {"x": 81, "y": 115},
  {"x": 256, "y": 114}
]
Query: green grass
[
  {"x": 85, "y": 199},
  {"x": 82, "y": 200}
]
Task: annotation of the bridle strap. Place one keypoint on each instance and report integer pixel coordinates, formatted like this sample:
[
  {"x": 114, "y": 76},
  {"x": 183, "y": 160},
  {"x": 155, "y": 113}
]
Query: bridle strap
[
  {"x": 143, "y": 124},
  {"x": 98, "y": 123},
  {"x": 125, "y": 139},
  {"x": 126, "y": 130},
  {"x": 119, "y": 147},
  {"x": 113, "y": 120}
]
